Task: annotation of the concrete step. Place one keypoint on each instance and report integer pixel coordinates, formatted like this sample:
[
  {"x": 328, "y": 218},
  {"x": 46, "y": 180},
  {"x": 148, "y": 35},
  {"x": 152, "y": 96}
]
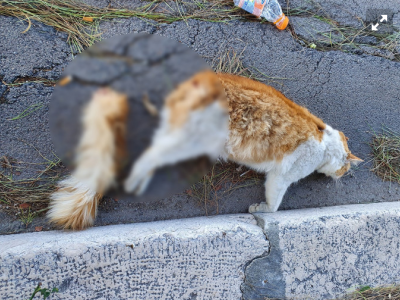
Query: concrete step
[
  {"x": 323, "y": 253},
  {"x": 318, "y": 253},
  {"x": 199, "y": 258}
]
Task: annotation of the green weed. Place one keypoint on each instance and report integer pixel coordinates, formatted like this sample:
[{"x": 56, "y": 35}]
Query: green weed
[
  {"x": 31, "y": 109},
  {"x": 43, "y": 291}
]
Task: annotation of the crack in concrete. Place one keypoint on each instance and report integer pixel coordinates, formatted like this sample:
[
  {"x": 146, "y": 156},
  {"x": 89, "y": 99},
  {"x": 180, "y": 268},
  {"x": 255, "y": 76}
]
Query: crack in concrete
[{"x": 263, "y": 275}]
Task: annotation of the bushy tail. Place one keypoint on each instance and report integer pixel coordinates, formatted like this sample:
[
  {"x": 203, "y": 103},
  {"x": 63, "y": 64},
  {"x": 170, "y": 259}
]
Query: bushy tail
[{"x": 74, "y": 204}]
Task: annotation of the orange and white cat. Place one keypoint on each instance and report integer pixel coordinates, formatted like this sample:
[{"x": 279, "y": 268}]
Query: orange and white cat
[{"x": 237, "y": 119}]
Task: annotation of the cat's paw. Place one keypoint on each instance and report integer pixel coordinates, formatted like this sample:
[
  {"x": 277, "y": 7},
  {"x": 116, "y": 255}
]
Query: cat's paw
[
  {"x": 262, "y": 207},
  {"x": 137, "y": 183}
]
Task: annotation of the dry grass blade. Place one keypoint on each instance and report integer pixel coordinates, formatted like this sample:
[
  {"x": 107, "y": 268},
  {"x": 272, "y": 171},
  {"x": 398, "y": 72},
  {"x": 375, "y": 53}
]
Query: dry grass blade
[{"x": 386, "y": 155}]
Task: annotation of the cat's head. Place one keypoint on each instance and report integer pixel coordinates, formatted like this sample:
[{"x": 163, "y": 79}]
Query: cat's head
[{"x": 338, "y": 154}]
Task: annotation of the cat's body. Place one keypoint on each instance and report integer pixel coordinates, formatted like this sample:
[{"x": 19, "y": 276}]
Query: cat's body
[
  {"x": 266, "y": 132},
  {"x": 247, "y": 122}
]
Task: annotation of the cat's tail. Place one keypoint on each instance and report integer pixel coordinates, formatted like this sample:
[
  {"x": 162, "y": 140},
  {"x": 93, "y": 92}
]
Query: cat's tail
[
  {"x": 101, "y": 145},
  {"x": 74, "y": 204}
]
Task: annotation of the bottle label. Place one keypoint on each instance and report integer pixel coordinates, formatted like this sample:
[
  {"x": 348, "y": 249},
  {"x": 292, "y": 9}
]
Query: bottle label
[{"x": 254, "y": 7}]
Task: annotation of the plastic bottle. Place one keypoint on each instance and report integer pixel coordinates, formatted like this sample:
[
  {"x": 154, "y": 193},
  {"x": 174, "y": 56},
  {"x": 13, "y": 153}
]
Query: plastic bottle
[{"x": 269, "y": 9}]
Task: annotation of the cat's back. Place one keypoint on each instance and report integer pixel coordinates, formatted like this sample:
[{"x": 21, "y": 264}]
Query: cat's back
[
  {"x": 263, "y": 119},
  {"x": 242, "y": 92}
]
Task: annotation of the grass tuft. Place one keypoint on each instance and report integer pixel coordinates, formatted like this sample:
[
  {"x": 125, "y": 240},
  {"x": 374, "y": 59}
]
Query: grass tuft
[
  {"x": 229, "y": 61},
  {"x": 35, "y": 190},
  {"x": 386, "y": 155},
  {"x": 27, "y": 217},
  {"x": 220, "y": 182},
  {"x": 368, "y": 293},
  {"x": 342, "y": 37}
]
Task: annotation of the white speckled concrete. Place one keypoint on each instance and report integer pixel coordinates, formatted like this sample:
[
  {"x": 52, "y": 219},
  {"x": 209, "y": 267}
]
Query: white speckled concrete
[
  {"x": 317, "y": 253},
  {"x": 321, "y": 253},
  {"x": 200, "y": 258}
]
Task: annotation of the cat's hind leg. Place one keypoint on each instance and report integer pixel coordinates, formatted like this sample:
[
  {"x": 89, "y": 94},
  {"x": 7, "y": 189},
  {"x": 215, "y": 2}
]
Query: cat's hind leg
[
  {"x": 165, "y": 150},
  {"x": 194, "y": 122},
  {"x": 204, "y": 133}
]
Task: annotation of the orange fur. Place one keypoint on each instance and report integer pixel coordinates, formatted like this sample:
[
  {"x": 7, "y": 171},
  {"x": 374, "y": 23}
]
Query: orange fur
[
  {"x": 264, "y": 124},
  {"x": 350, "y": 157},
  {"x": 196, "y": 93}
]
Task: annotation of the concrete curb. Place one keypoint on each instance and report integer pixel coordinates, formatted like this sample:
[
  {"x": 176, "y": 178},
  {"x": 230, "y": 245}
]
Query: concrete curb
[
  {"x": 199, "y": 258},
  {"x": 322, "y": 253},
  {"x": 317, "y": 253}
]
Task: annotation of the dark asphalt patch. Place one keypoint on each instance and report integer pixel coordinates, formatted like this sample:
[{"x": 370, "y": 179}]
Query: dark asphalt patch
[{"x": 354, "y": 93}]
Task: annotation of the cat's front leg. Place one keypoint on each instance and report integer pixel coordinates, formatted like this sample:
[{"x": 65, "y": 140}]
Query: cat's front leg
[{"x": 275, "y": 188}]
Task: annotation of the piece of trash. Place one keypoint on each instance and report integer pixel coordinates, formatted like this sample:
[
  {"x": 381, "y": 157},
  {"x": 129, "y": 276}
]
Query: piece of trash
[
  {"x": 65, "y": 80},
  {"x": 38, "y": 228},
  {"x": 87, "y": 19},
  {"x": 24, "y": 205},
  {"x": 268, "y": 9},
  {"x": 313, "y": 46}
]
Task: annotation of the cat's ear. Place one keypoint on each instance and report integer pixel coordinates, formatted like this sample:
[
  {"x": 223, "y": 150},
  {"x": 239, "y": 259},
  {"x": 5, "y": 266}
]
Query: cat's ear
[{"x": 354, "y": 160}]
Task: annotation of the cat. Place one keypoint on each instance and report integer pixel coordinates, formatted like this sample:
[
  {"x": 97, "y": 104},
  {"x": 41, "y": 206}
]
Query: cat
[
  {"x": 266, "y": 132},
  {"x": 238, "y": 119}
]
